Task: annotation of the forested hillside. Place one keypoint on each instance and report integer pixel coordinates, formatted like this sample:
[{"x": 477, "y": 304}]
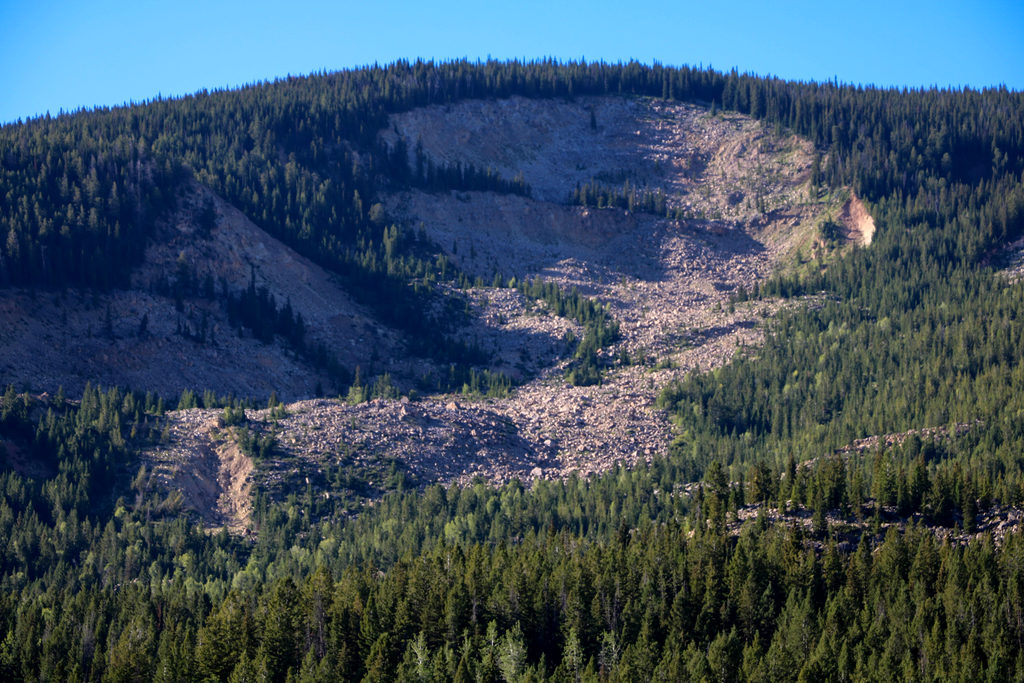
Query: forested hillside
[{"x": 842, "y": 502}]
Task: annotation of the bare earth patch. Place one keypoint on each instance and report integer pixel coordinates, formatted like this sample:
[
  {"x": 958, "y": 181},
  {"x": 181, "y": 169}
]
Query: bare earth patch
[
  {"x": 203, "y": 462},
  {"x": 235, "y": 481},
  {"x": 858, "y": 222}
]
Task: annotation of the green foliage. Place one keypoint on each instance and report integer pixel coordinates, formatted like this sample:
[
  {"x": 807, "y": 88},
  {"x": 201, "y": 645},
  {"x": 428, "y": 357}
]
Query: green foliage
[
  {"x": 627, "y": 197},
  {"x": 465, "y": 178},
  {"x": 187, "y": 400},
  {"x": 383, "y": 387},
  {"x": 486, "y": 383},
  {"x": 233, "y": 415},
  {"x": 256, "y": 444},
  {"x": 600, "y": 329},
  {"x": 357, "y": 392},
  {"x": 830, "y": 231},
  {"x": 613, "y": 575}
]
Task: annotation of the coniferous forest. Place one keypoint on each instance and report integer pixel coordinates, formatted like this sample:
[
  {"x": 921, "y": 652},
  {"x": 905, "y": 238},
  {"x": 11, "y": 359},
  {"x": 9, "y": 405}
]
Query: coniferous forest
[{"x": 683, "y": 568}]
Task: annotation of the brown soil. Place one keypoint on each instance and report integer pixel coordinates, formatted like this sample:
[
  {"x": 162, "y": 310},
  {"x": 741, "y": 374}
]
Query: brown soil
[
  {"x": 203, "y": 462},
  {"x": 235, "y": 479},
  {"x": 859, "y": 224}
]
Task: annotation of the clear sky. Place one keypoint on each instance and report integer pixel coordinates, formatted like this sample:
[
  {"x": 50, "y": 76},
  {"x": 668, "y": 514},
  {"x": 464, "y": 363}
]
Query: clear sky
[{"x": 66, "y": 54}]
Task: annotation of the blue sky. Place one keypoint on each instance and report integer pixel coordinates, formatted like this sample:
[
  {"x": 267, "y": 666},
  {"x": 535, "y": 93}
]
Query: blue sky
[{"x": 58, "y": 54}]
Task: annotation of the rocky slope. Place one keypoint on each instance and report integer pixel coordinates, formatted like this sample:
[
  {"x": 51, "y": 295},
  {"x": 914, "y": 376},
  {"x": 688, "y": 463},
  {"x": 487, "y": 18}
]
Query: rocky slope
[
  {"x": 747, "y": 210},
  {"x": 134, "y": 338}
]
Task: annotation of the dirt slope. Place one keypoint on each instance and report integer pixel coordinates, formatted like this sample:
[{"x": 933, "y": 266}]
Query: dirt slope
[
  {"x": 202, "y": 461},
  {"x": 859, "y": 224}
]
